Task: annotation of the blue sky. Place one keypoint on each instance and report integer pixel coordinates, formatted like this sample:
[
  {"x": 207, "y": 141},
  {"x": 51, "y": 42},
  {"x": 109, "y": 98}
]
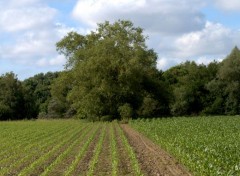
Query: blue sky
[{"x": 199, "y": 30}]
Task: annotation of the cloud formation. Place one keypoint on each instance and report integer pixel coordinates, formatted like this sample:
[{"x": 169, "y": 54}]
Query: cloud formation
[
  {"x": 25, "y": 15},
  {"x": 229, "y": 5},
  {"x": 177, "y": 30},
  {"x": 161, "y": 16},
  {"x": 59, "y": 60},
  {"x": 13, "y": 20},
  {"x": 213, "y": 39},
  {"x": 33, "y": 32},
  {"x": 213, "y": 42}
]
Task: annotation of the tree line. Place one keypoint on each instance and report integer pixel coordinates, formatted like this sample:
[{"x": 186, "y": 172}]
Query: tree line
[{"x": 112, "y": 74}]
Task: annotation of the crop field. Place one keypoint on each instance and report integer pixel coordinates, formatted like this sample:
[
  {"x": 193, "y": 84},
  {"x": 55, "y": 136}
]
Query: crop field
[
  {"x": 206, "y": 145},
  {"x": 71, "y": 147}
]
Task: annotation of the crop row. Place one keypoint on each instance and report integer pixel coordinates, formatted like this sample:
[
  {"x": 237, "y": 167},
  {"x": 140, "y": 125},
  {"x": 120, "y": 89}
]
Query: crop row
[
  {"x": 18, "y": 157},
  {"x": 207, "y": 145},
  {"x": 63, "y": 148},
  {"x": 17, "y": 139}
]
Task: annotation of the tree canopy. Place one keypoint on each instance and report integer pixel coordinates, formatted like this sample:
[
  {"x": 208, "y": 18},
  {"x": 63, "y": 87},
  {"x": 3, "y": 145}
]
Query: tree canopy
[
  {"x": 112, "y": 69},
  {"x": 11, "y": 97}
]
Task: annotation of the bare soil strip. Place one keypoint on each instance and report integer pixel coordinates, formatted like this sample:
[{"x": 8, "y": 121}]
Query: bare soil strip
[{"x": 153, "y": 160}]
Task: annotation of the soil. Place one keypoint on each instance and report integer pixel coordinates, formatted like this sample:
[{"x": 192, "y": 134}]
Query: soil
[{"x": 152, "y": 159}]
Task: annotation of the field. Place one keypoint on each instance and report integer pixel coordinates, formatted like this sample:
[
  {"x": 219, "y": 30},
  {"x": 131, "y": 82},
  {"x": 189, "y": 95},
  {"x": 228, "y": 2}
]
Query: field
[
  {"x": 71, "y": 147},
  {"x": 207, "y": 146}
]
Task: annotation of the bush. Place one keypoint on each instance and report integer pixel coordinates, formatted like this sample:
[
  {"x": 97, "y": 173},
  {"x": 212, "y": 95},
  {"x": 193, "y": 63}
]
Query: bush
[
  {"x": 125, "y": 111},
  {"x": 106, "y": 118}
]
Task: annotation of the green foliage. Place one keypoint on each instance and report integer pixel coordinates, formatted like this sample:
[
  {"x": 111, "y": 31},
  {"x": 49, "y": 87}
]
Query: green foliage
[
  {"x": 37, "y": 94},
  {"x": 106, "y": 118},
  {"x": 187, "y": 83},
  {"x": 11, "y": 97},
  {"x": 149, "y": 107},
  {"x": 60, "y": 88},
  {"x": 125, "y": 111},
  {"x": 206, "y": 145},
  {"x": 110, "y": 67},
  {"x": 55, "y": 108},
  {"x": 225, "y": 87}
]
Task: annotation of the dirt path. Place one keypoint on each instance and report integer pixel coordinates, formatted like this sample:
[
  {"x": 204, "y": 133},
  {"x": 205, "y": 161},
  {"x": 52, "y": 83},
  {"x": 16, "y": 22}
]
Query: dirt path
[{"x": 152, "y": 159}]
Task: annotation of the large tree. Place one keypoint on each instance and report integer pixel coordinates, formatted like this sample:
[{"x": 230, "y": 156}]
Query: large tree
[{"x": 112, "y": 68}]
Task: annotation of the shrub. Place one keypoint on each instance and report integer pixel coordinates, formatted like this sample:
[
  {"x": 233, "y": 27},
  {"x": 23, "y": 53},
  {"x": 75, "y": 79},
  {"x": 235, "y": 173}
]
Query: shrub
[{"x": 125, "y": 111}]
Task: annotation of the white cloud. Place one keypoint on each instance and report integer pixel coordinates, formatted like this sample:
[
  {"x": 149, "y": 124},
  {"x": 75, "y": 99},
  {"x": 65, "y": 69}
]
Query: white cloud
[
  {"x": 161, "y": 16},
  {"x": 26, "y": 18},
  {"x": 37, "y": 48},
  {"x": 162, "y": 63},
  {"x": 213, "y": 42},
  {"x": 229, "y": 5},
  {"x": 57, "y": 61},
  {"x": 34, "y": 33},
  {"x": 165, "y": 63},
  {"x": 214, "y": 39},
  {"x": 22, "y": 2},
  {"x": 62, "y": 30},
  {"x": 207, "y": 60},
  {"x": 30, "y": 45}
]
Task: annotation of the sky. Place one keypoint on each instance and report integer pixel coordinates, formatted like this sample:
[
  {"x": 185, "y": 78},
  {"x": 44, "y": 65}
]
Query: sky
[{"x": 196, "y": 30}]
